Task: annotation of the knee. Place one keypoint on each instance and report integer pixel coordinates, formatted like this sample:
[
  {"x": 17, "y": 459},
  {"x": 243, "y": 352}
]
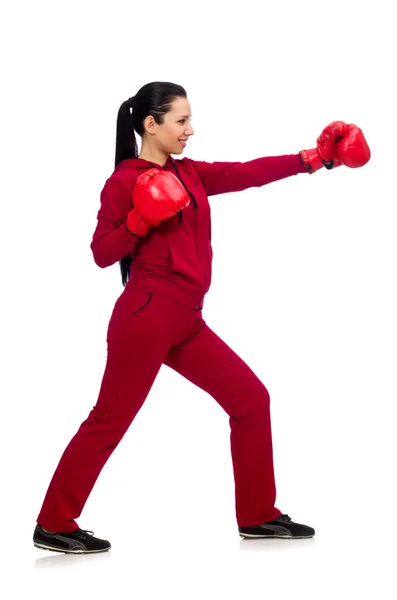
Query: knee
[
  {"x": 256, "y": 406},
  {"x": 260, "y": 404},
  {"x": 113, "y": 426}
]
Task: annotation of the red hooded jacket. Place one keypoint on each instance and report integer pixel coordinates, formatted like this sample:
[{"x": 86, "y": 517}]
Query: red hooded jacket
[{"x": 175, "y": 258}]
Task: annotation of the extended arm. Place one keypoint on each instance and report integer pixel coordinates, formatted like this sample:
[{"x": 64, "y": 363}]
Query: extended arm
[
  {"x": 224, "y": 177},
  {"x": 338, "y": 144}
]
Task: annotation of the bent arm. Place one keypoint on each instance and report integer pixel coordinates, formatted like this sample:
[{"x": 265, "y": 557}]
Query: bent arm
[{"x": 112, "y": 240}]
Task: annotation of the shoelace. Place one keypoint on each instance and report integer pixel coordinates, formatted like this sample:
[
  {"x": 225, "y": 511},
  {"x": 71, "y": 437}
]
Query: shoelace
[
  {"x": 83, "y": 533},
  {"x": 285, "y": 518}
]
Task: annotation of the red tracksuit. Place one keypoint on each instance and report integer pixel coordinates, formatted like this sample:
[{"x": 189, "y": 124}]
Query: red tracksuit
[{"x": 158, "y": 320}]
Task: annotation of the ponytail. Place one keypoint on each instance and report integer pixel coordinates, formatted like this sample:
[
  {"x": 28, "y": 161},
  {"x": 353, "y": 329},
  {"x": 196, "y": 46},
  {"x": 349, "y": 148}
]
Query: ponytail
[{"x": 126, "y": 146}]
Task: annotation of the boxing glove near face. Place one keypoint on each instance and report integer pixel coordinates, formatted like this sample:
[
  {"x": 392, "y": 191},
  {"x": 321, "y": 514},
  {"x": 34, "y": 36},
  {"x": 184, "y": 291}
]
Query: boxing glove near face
[{"x": 158, "y": 195}]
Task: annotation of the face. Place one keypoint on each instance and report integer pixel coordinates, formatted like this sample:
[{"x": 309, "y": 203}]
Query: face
[{"x": 171, "y": 136}]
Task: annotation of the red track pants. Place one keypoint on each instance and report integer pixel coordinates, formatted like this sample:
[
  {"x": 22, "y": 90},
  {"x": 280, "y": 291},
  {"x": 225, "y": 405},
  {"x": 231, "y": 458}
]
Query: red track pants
[{"x": 146, "y": 331}]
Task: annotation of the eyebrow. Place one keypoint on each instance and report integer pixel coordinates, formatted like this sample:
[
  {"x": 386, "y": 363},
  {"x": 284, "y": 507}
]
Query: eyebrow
[{"x": 186, "y": 116}]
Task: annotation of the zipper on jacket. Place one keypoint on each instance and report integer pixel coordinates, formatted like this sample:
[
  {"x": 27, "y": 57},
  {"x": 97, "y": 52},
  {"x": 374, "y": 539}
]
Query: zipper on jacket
[
  {"x": 192, "y": 198},
  {"x": 194, "y": 216}
]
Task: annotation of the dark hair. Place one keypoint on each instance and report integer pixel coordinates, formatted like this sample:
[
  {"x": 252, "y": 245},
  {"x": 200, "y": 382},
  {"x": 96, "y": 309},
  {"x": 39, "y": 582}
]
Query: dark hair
[{"x": 152, "y": 99}]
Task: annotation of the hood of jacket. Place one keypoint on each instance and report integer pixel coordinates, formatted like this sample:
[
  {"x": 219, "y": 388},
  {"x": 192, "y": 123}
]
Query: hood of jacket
[{"x": 142, "y": 163}]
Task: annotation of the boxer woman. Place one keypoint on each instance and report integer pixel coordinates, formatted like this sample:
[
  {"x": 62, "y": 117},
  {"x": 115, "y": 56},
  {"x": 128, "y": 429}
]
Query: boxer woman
[{"x": 154, "y": 219}]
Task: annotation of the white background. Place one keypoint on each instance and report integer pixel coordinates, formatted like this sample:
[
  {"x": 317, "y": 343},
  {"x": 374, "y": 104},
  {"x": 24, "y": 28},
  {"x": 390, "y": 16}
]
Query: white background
[{"x": 304, "y": 289}]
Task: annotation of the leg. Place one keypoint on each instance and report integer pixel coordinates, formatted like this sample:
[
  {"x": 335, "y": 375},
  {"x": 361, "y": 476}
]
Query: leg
[
  {"x": 207, "y": 361},
  {"x": 138, "y": 341}
]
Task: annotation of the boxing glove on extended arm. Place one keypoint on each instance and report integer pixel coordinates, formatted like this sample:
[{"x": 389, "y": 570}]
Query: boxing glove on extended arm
[
  {"x": 338, "y": 144},
  {"x": 353, "y": 150},
  {"x": 157, "y": 196}
]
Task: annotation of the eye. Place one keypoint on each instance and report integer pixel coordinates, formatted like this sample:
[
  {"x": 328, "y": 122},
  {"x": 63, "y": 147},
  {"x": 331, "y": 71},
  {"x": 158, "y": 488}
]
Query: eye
[{"x": 181, "y": 120}]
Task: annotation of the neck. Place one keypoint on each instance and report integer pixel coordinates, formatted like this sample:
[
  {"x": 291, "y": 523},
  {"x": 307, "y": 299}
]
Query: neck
[{"x": 155, "y": 156}]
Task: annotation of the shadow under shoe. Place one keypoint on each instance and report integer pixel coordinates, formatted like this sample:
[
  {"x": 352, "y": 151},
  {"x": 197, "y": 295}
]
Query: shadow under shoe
[
  {"x": 74, "y": 542},
  {"x": 282, "y": 527}
]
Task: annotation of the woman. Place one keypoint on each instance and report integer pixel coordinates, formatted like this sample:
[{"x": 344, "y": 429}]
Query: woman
[{"x": 154, "y": 220}]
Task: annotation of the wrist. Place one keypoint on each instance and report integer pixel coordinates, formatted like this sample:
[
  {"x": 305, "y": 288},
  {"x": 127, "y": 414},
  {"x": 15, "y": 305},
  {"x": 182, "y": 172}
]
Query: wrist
[
  {"x": 311, "y": 160},
  {"x": 136, "y": 225}
]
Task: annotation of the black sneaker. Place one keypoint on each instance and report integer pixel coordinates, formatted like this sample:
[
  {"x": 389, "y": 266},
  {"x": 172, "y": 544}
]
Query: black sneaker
[
  {"x": 75, "y": 542},
  {"x": 282, "y": 527}
]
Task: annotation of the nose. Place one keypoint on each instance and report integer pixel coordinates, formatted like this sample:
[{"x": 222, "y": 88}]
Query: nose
[{"x": 189, "y": 130}]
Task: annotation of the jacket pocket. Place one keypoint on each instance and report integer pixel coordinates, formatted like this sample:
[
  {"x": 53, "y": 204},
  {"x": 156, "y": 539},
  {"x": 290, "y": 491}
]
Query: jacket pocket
[{"x": 184, "y": 259}]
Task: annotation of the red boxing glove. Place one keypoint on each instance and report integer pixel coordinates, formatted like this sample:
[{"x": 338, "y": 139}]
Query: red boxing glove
[
  {"x": 327, "y": 143},
  {"x": 157, "y": 196},
  {"x": 353, "y": 150},
  {"x": 325, "y": 154},
  {"x": 136, "y": 225},
  {"x": 337, "y": 144}
]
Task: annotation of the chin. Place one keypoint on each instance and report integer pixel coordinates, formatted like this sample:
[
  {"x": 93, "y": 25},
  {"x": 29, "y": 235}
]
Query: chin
[{"x": 177, "y": 151}]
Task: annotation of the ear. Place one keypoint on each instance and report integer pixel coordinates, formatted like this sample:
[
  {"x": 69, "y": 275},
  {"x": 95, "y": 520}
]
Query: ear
[{"x": 150, "y": 124}]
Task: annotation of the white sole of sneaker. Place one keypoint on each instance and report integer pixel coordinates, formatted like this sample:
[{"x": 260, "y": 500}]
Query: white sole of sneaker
[
  {"x": 279, "y": 537},
  {"x": 67, "y": 551}
]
